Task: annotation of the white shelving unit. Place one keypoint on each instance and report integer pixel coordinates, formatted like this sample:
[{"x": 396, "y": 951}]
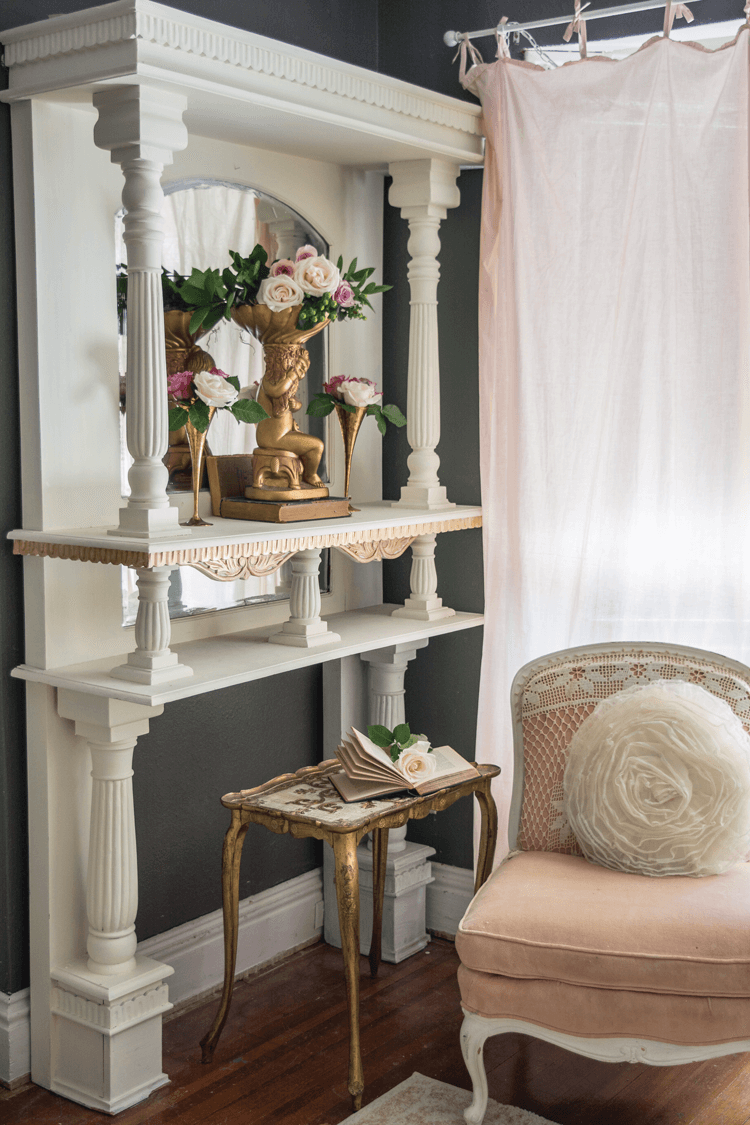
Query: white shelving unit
[{"x": 138, "y": 90}]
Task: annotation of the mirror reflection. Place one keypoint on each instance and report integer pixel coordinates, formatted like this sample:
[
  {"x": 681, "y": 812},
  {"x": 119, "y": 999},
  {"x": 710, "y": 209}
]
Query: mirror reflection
[{"x": 202, "y": 220}]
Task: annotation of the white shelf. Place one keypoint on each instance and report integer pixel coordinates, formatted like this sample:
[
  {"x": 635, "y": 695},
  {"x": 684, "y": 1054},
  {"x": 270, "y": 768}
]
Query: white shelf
[
  {"x": 374, "y": 522},
  {"x": 242, "y": 87},
  {"x": 238, "y": 658}
]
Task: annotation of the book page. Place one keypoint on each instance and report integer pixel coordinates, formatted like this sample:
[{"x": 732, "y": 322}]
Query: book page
[{"x": 375, "y": 754}]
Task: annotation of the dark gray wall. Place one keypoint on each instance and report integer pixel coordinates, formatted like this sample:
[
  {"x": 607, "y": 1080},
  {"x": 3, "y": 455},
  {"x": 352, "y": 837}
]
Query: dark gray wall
[{"x": 442, "y": 683}]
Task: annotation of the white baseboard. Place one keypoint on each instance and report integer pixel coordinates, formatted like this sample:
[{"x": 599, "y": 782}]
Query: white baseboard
[
  {"x": 15, "y": 1051},
  {"x": 448, "y": 896},
  {"x": 271, "y": 923}
]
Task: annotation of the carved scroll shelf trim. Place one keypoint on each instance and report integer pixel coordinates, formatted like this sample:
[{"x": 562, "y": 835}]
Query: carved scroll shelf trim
[
  {"x": 375, "y": 551},
  {"x": 243, "y": 566}
]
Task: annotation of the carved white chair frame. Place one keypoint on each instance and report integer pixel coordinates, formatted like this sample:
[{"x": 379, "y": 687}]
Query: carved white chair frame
[{"x": 476, "y": 1029}]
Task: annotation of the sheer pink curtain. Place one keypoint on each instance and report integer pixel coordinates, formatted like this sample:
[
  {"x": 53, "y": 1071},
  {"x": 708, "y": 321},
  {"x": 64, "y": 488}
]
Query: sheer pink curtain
[{"x": 614, "y": 348}]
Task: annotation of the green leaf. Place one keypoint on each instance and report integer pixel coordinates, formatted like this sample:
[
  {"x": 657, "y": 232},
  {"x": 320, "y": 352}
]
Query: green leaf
[
  {"x": 402, "y": 732},
  {"x": 177, "y": 418},
  {"x": 394, "y": 415},
  {"x": 214, "y": 316},
  {"x": 196, "y": 320},
  {"x": 234, "y": 382},
  {"x": 395, "y": 752},
  {"x": 347, "y": 406},
  {"x": 381, "y": 424},
  {"x": 373, "y": 409},
  {"x": 381, "y": 736},
  {"x": 340, "y": 264},
  {"x": 248, "y": 410},
  {"x": 199, "y": 416},
  {"x": 319, "y": 408}
]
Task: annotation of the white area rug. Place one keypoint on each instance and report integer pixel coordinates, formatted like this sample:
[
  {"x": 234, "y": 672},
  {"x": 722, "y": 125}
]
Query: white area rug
[{"x": 425, "y": 1101}]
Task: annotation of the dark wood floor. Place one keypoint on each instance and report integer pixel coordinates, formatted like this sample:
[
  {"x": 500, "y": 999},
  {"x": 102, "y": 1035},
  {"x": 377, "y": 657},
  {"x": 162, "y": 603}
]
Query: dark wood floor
[{"x": 283, "y": 1059}]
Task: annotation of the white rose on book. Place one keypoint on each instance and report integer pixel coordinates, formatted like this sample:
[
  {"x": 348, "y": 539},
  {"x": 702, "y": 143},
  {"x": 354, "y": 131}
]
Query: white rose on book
[{"x": 417, "y": 764}]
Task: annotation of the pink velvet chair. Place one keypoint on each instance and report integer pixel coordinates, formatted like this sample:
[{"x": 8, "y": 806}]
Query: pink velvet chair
[{"x": 615, "y": 966}]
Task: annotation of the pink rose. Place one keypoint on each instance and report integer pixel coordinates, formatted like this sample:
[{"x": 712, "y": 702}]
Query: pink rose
[
  {"x": 179, "y": 385},
  {"x": 283, "y": 268},
  {"x": 218, "y": 371},
  {"x": 305, "y": 252},
  {"x": 344, "y": 295}
]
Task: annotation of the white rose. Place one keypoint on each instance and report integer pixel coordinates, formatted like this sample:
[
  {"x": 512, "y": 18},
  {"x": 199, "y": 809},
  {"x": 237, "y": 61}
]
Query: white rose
[
  {"x": 317, "y": 276},
  {"x": 280, "y": 293},
  {"x": 416, "y": 764},
  {"x": 214, "y": 390},
  {"x": 356, "y": 392}
]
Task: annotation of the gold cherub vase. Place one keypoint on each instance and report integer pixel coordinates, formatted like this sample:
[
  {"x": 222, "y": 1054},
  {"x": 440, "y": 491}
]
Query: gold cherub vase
[
  {"x": 349, "y": 422},
  {"x": 285, "y": 463}
]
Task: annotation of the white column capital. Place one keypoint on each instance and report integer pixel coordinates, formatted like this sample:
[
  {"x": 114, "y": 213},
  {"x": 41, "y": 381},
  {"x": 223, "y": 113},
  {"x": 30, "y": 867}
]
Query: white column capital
[
  {"x": 103, "y": 719},
  {"x": 140, "y": 123},
  {"x": 424, "y": 187}
]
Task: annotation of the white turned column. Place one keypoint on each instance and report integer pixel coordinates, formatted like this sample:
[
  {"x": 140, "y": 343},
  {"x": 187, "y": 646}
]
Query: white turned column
[
  {"x": 423, "y": 604},
  {"x": 152, "y": 662},
  {"x": 142, "y": 126},
  {"x": 305, "y": 627},
  {"x": 112, "y": 884},
  {"x": 423, "y": 190}
]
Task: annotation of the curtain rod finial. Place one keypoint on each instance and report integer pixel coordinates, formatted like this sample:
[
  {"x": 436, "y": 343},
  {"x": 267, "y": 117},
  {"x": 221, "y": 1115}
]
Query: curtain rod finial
[{"x": 452, "y": 38}]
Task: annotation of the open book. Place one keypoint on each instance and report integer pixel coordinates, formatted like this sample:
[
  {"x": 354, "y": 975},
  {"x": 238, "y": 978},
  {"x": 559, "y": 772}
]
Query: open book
[{"x": 369, "y": 772}]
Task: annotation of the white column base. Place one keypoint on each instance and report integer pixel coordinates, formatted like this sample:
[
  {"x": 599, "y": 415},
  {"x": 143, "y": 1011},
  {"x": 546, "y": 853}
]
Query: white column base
[
  {"x": 143, "y": 669},
  {"x": 304, "y": 636},
  {"x": 106, "y": 1035},
  {"x": 408, "y": 873},
  {"x": 149, "y": 523},
  {"x": 431, "y": 497},
  {"x": 423, "y": 609}
]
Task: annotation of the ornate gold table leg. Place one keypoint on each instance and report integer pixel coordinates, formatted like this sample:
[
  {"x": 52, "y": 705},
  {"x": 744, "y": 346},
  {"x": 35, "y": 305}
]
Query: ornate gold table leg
[
  {"x": 230, "y": 898},
  {"x": 488, "y": 834},
  {"x": 379, "y": 857},
  {"x": 347, "y": 897}
]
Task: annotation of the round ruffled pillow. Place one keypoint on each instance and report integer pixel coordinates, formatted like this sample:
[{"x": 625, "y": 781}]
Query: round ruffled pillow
[{"x": 657, "y": 782}]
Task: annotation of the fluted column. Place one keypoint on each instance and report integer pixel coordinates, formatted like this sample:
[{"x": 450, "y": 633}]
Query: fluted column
[
  {"x": 142, "y": 126},
  {"x": 423, "y": 604},
  {"x": 305, "y": 627},
  {"x": 423, "y": 190},
  {"x": 152, "y": 662},
  {"x": 112, "y": 884}
]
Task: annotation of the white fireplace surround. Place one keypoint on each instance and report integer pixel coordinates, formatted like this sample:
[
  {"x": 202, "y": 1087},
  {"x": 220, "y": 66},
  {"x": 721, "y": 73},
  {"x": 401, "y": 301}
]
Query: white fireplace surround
[{"x": 107, "y": 105}]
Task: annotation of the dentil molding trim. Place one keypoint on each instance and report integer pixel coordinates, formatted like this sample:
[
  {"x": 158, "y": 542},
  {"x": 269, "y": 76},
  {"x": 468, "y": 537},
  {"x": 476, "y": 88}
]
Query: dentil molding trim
[{"x": 149, "y": 22}]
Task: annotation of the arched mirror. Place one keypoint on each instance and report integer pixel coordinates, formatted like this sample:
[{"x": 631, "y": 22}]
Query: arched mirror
[{"x": 203, "y": 220}]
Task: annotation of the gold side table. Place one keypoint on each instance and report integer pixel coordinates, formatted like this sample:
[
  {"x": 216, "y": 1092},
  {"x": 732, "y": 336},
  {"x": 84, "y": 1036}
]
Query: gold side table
[{"x": 306, "y": 803}]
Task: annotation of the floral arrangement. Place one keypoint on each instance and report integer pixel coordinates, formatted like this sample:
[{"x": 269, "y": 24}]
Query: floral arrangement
[
  {"x": 195, "y": 393},
  {"x": 352, "y": 394},
  {"x": 410, "y": 751},
  {"x": 310, "y": 280}
]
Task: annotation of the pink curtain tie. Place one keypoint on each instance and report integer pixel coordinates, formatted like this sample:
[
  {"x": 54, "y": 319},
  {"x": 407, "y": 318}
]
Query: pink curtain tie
[
  {"x": 676, "y": 11},
  {"x": 578, "y": 25},
  {"x": 466, "y": 47}
]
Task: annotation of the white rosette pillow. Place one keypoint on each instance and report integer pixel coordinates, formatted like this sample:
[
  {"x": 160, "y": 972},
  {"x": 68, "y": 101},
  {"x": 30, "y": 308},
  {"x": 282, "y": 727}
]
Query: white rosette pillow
[{"x": 657, "y": 782}]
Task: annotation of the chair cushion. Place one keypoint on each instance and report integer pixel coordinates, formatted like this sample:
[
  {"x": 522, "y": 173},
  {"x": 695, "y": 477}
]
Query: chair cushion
[
  {"x": 605, "y": 1013},
  {"x": 554, "y": 917},
  {"x": 657, "y": 782}
]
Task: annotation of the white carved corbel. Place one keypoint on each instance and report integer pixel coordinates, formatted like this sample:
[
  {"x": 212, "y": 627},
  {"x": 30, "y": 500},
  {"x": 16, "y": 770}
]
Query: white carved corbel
[
  {"x": 423, "y": 190},
  {"x": 142, "y": 127}
]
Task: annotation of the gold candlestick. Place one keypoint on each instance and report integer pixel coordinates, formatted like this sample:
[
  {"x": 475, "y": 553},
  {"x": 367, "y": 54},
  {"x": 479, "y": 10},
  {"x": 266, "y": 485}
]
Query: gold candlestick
[{"x": 349, "y": 423}]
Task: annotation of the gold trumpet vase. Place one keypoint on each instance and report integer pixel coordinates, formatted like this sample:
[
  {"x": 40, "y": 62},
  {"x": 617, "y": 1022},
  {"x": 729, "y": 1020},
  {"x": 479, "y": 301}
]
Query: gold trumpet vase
[
  {"x": 349, "y": 423},
  {"x": 197, "y": 443},
  {"x": 183, "y": 354}
]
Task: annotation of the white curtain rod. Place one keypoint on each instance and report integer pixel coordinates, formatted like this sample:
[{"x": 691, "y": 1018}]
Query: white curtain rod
[{"x": 453, "y": 38}]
